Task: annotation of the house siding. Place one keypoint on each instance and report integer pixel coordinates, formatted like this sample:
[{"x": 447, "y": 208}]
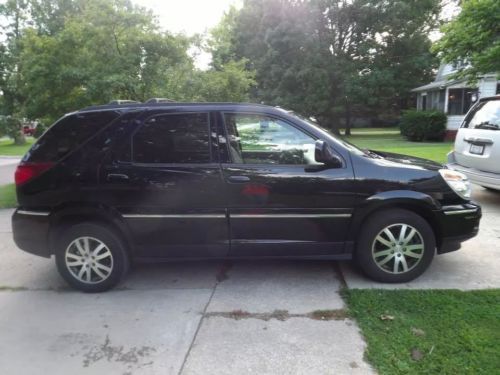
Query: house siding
[
  {"x": 454, "y": 122},
  {"x": 488, "y": 87}
]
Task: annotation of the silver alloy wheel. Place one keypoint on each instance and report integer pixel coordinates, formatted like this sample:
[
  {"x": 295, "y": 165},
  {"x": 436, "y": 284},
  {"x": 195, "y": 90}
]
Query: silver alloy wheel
[
  {"x": 89, "y": 260},
  {"x": 398, "y": 248}
]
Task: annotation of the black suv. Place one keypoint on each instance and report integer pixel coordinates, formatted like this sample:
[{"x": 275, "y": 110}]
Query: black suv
[{"x": 169, "y": 181}]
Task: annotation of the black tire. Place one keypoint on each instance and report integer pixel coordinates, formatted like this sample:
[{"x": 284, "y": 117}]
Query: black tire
[
  {"x": 118, "y": 262},
  {"x": 393, "y": 219}
]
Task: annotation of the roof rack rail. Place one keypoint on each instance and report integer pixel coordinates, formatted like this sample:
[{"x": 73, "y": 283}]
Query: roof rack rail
[
  {"x": 159, "y": 100},
  {"x": 123, "y": 101}
]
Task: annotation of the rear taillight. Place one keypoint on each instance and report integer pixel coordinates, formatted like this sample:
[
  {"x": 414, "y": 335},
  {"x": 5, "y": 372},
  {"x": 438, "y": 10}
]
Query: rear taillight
[{"x": 27, "y": 171}]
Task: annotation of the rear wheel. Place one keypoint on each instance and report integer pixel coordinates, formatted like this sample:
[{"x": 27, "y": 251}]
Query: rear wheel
[
  {"x": 395, "y": 246},
  {"x": 91, "y": 258}
]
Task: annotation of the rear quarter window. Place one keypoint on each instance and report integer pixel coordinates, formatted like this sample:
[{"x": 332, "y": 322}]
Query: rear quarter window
[{"x": 67, "y": 134}]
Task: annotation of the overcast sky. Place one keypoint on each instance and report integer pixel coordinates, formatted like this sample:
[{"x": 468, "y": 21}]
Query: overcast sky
[{"x": 188, "y": 16}]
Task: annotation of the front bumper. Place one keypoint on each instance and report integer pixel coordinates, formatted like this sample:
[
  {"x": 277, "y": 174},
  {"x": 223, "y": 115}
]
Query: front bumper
[
  {"x": 31, "y": 230},
  {"x": 458, "y": 223}
]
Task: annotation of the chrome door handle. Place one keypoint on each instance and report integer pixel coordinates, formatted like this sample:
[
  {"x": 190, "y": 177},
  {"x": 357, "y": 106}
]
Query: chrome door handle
[{"x": 238, "y": 179}]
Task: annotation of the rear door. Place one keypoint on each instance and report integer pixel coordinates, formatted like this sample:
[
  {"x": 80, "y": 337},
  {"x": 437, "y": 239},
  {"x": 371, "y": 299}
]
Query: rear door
[
  {"x": 281, "y": 202},
  {"x": 167, "y": 185},
  {"x": 477, "y": 144}
]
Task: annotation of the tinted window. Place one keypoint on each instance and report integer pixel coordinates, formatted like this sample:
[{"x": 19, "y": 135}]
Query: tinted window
[
  {"x": 258, "y": 139},
  {"x": 67, "y": 134},
  {"x": 173, "y": 138}
]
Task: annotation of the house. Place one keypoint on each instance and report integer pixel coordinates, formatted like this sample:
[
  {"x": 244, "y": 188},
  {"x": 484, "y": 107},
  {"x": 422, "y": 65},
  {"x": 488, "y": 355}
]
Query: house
[{"x": 454, "y": 96}]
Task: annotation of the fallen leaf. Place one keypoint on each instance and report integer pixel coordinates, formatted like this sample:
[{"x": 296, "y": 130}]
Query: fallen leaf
[
  {"x": 386, "y": 317},
  {"x": 417, "y": 331},
  {"x": 416, "y": 354}
]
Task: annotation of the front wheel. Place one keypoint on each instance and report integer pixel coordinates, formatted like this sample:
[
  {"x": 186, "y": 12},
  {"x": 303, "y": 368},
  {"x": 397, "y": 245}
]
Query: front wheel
[
  {"x": 395, "y": 246},
  {"x": 91, "y": 258}
]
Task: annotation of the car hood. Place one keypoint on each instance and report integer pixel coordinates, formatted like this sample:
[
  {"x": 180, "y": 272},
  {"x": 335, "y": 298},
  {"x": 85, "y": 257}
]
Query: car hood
[{"x": 409, "y": 161}]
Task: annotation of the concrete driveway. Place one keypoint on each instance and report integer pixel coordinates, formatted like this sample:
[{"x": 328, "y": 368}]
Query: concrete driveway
[
  {"x": 178, "y": 318},
  {"x": 475, "y": 266},
  {"x": 257, "y": 317}
]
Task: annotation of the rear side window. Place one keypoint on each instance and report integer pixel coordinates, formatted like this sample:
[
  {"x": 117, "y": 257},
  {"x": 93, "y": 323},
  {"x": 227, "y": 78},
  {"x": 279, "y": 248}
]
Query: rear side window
[
  {"x": 173, "y": 138},
  {"x": 67, "y": 134}
]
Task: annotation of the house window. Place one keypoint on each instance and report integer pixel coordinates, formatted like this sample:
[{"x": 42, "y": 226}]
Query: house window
[
  {"x": 424, "y": 102},
  {"x": 460, "y": 100}
]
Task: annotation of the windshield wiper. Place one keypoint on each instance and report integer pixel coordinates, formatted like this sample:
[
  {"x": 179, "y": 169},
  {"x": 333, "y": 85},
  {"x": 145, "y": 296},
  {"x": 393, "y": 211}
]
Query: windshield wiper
[
  {"x": 487, "y": 125},
  {"x": 371, "y": 153}
]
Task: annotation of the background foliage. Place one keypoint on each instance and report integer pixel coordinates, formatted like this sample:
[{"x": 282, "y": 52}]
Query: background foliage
[
  {"x": 335, "y": 60},
  {"x": 423, "y": 125},
  {"x": 61, "y": 55},
  {"x": 332, "y": 59},
  {"x": 473, "y": 39}
]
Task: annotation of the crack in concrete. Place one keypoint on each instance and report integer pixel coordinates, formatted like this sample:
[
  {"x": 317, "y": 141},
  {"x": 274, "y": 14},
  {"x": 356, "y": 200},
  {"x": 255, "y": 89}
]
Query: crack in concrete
[
  {"x": 197, "y": 329},
  {"x": 282, "y": 315},
  {"x": 12, "y": 288},
  {"x": 222, "y": 272}
]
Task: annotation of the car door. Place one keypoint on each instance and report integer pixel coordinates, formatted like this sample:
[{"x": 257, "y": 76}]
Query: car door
[
  {"x": 167, "y": 183},
  {"x": 282, "y": 202}
]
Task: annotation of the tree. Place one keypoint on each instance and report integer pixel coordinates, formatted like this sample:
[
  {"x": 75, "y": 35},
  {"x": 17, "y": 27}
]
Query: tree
[
  {"x": 12, "y": 127},
  {"x": 109, "y": 50},
  {"x": 15, "y": 13},
  {"x": 332, "y": 59},
  {"x": 473, "y": 39},
  {"x": 61, "y": 55}
]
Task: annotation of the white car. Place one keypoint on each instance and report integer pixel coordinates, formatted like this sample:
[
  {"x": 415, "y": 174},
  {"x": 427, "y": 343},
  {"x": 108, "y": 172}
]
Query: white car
[{"x": 477, "y": 145}]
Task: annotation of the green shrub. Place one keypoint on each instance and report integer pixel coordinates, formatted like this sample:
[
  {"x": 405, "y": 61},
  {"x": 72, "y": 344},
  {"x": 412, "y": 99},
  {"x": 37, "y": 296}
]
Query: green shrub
[{"x": 421, "y": 126}]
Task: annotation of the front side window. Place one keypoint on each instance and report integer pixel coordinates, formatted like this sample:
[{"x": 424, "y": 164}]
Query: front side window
[
  {"x": 173, "y": 138},
  {"x": 259, "y": 139}
]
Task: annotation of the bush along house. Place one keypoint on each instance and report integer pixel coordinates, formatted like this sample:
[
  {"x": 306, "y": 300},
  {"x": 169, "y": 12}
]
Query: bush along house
[{"x": 454, "y": 96}]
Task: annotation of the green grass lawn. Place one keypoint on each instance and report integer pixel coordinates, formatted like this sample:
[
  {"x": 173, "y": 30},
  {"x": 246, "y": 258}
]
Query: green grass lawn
[
  {"x": 429, "y": 331},
  {"x": 393, "y": 142},
  {"x": 7, "y": 147},
  {"x": 8, "y": 196}
]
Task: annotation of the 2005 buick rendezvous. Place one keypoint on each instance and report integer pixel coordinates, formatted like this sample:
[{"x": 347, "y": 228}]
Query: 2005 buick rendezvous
[{"x": 169, "y": 181}]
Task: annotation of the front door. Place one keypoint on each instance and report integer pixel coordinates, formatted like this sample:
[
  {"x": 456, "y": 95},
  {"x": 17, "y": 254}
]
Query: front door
[
  {"x": 281, "y": 201},
  {"x": 167, "y": 186}
]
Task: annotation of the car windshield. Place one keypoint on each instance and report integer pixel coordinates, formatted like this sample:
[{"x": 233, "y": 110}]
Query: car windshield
[
  {"x": 486, "y": 116},
  {"x": 347, "y": 144}
]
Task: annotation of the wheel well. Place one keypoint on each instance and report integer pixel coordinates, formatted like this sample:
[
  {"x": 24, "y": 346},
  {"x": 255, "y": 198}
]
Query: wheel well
[
  {"x": 423, "y": 212},
  {"x": 64, "y": 222}
]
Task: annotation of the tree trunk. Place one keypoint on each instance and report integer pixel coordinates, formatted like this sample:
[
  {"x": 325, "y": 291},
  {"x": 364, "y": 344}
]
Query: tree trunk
[{"x": 19, "y": 139}]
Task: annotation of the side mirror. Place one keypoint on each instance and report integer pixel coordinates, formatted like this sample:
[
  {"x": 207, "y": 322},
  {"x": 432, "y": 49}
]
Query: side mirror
[{"x": 324, "y": 154}]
